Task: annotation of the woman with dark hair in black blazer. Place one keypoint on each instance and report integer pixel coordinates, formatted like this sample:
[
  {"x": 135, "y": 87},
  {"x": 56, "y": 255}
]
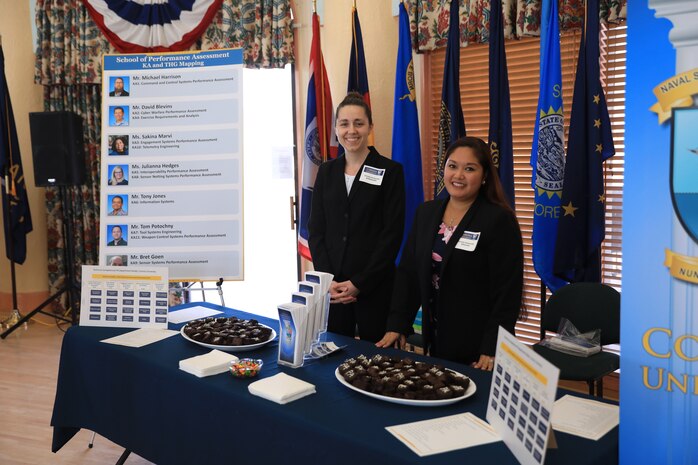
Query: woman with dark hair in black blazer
[
  {"x": 356, "y": 223},
  {"x": 463, "y": 263}
]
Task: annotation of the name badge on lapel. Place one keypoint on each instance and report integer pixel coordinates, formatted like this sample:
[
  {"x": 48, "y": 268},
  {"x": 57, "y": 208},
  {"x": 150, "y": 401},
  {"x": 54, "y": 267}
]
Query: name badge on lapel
[
  {"x": 468, "y": 241},
  {"x": 372, "y": 175}
]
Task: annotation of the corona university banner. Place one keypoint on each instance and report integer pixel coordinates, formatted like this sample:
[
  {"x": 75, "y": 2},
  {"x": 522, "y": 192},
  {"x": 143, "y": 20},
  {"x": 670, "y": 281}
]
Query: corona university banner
[{"x": 659, "y": 314}]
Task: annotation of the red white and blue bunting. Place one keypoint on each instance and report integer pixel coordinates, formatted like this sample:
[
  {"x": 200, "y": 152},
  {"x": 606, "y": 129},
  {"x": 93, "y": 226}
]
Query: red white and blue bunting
[{"x": 137, "y": 26}]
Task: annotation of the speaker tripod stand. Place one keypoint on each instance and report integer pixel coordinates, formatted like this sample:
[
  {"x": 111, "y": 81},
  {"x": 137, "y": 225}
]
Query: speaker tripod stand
[{"x": 70, "y": 285}]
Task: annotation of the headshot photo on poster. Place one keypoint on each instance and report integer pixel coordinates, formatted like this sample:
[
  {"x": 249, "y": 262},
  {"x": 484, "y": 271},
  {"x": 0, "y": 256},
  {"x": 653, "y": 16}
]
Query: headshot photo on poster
[
  {"x": 118, "y": 115},
  {"x": 119, "y": 205},
  {"x": 119, "y": 86},
  {"x": 118, "y": 145},
  {"x": 117, "y": 235},
  {"x": 117, "y": 260},
  {"x": 118, "y": 175}
]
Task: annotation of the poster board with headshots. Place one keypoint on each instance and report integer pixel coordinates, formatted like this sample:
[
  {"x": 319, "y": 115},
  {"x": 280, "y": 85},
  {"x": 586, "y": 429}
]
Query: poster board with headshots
[{"x": 171, "y": 163}]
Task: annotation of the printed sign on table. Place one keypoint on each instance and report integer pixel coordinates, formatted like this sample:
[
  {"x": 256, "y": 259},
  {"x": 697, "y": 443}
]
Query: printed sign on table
[
  {"x": 521, "y": 399},
  {"x": 129, "y": 297}
]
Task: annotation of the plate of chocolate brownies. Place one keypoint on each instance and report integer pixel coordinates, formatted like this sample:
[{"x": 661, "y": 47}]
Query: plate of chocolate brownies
[
  {"x": 229, "y": 334},
  {"x": 404, "y": 381}
]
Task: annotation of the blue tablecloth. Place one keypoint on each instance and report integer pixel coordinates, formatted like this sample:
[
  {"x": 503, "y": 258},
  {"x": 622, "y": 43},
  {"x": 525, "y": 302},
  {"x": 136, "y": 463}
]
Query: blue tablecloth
[{"x": 139, "y": 399}]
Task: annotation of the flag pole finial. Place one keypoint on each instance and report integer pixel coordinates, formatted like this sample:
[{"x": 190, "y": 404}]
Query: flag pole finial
[
  {"x": 314, "y": 6},
  {"x": 355, "y": 4}
]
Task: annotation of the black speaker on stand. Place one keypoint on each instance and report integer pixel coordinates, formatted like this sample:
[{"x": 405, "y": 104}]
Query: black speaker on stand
[{"x": 59, "y": 161}]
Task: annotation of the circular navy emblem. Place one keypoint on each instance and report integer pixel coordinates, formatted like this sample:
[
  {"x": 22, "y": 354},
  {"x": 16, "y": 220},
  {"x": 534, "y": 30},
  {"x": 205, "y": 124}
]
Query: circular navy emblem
[{"x": 312, "y": 145}]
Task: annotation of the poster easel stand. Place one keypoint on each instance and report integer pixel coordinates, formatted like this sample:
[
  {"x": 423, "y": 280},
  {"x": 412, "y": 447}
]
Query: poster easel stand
[{"x": 219, "y": 288}]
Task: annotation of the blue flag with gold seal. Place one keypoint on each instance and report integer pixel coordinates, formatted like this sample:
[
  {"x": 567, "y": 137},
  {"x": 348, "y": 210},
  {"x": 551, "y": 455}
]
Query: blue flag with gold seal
[
  {"x": 581, "y": 226},
  {"x": 14, "y": 189},
  {"x": 548, "y": 150},
  {"x": 451, "y": 122},
  {"x": 500, "y": 132},
  {"x": 406, "y": 142}
]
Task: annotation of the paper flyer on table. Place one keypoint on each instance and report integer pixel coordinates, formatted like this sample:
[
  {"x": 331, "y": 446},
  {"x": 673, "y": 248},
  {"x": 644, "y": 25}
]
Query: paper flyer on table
[
  {"x": 140, "y": 337},
  {"x": 586, "y": 418},
  {"x": 191, "y": 313},
  {"x": 444, "y": 434}
]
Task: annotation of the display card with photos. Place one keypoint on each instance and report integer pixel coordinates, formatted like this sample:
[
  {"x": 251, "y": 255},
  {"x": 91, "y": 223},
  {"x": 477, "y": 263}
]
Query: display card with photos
[
  {"x": 522, "y": 396},
  {"x": 129, "y": 297}
]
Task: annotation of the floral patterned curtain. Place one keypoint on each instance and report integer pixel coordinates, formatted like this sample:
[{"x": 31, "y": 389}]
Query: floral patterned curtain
[
  {"x": 69, "y": 66},
  {"x": 70, "y": 45},
  {"x": 429, "y": 19}
]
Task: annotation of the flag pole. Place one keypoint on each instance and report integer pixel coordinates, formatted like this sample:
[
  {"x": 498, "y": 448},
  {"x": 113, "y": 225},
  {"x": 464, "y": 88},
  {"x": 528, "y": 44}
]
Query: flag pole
[
  {"x": 543, "y": 301},
  {"x": 14, "y": 316}
]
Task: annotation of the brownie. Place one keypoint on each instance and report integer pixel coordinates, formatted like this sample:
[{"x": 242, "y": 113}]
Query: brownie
[
  {"x": 361, "y": 382},
  {"x": 458, "y": 391},
  {"x": 444, "y": 393},
  {"x": 344, "y": 367}
]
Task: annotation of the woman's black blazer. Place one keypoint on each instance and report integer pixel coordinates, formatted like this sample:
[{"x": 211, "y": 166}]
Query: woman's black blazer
[
  {"x": 357, "y": 237},
  {"x": 479, "y": 290}
]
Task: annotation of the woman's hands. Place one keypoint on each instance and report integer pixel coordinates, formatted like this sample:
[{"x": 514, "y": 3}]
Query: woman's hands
[
  {"x": 343, "y": 293},
  {"x": 390, "y": 338},
  {"x": 485, "y": 363}
]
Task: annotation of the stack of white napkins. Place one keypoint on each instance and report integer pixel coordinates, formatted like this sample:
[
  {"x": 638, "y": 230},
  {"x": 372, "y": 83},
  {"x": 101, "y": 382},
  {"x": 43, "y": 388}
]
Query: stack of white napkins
[
  {"x": 212, "y": 363},
  {"x": 281, "y": 388}
]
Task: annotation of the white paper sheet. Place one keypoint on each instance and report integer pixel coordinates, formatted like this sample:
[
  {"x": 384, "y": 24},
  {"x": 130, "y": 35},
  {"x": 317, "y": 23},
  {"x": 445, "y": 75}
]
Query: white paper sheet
[
  {"x": 444, "y": 434},
  {"x": 191, "y": 313},
  {"x": 140, "y": 337},
  {"x": 584, "y": 417}
]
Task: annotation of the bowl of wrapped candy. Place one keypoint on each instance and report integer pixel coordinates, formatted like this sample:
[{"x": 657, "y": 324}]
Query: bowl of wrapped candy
[{"x": 246, "y": 367}]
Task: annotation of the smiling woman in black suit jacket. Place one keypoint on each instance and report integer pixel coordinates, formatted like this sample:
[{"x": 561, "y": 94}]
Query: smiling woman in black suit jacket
[
  {"x": 463, "y": 263},
  {"x": 356, "y": 224}
]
